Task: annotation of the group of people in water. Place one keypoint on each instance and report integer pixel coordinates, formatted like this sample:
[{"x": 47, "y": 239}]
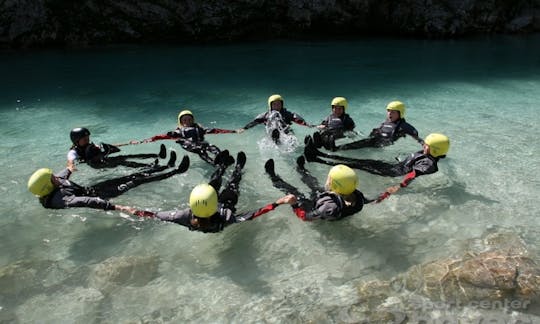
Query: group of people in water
[{"x": 211, "y": 208}]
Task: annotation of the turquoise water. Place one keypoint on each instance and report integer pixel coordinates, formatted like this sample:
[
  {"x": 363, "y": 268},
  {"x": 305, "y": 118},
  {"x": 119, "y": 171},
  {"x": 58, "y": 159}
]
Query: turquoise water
[{"x": 84, "y": 265}]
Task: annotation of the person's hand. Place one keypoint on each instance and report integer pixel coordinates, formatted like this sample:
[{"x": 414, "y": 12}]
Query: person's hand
[
  {"x": 288, "y": 199},
  {"x": 126, "y": 209},
  {"x": 240, "y": 130},
  {"x": 321, "y": 126},
  {"x": 132, "y": 142},
  {"x": 392, "y": 190},
  {"x": 71, "y": 167}
]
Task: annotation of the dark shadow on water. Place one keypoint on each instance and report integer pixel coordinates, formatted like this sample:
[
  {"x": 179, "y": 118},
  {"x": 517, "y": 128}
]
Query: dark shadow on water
[
  {"x": 238, "y": 257},
  {"x": 100, "y": 242}
]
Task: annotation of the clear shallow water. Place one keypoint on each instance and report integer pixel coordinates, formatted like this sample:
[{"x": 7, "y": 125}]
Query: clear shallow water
[{"x": 481, "y": 93}]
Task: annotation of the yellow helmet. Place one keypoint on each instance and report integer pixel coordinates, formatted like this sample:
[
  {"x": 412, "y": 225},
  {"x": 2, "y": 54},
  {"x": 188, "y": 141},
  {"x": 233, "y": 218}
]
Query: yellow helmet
[
  {"x": 342, "y": 179},
  {"x": 397, "y": 106},
  {"x": 183, "y": 113},
  {"x": 273, "y": 98},
  {"x": 40, "y": 183},
  {"x": 203, "y": 200},
  {"x": 438, "y": 144},
  {"x": 340, "y": 101}
]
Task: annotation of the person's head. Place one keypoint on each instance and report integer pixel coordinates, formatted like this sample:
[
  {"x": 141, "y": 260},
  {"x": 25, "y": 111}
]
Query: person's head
[
  {"x": 80, "y": 136},
  {"x": 275, "y": 102},
  {"x": 339, "y": 105},
  {"x": 342, "y": 180},
  {"x": 395, "y": 110},
  {"x": 42, "y": 182},
  {"x": 185, "y": 118},
  {"x": 436, "y": 145},
  {"x": 203, "y": 201}
]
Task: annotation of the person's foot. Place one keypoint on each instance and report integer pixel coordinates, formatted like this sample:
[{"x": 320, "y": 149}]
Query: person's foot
[
  {"x": 300, "y": 162},
  {"x": 310, "y": 152},
  {"x": 317, "y": 140},
  {"x": 172, "y": 159},
  {"x": 269, "y": 167},
  {"x": 275, "y": 135},
  {"x": 218, "y": 160},
  {"x": 162, "y": 151},
  {"x": 329, "y": 143},
  {"x": 241, "y": 159},
  {"x": 184, "y": 165}
]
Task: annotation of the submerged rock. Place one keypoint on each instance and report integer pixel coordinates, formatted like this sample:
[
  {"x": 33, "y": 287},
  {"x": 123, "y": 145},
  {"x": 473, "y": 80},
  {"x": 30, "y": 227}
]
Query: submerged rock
[
  {"x": 116, "y": 272},
  {"x": 495, "y": 271}
]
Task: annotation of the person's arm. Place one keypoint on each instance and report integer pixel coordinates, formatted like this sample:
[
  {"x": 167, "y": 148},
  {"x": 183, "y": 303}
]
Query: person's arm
[
  {"x": 323, "y": 124},
  {"x": 348, "y": 123},
  {"x": 327, "y": 209},
  {"x": 409, "y": 177},
  {"x": 180, "y": 217},
  {"x": 299, "y": 120},
  {"x": 288, "y": 199},
  {"x": 260, "y": 119},
  {"x": 219, "y": 131},
  {"x": 90, "y": 202},
  {"x": 412, "y": 132},
  {"x": 72, "y": 158}
]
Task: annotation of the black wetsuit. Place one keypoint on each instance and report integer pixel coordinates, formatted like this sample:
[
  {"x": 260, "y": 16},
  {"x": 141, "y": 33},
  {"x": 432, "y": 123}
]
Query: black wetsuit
[
  {"x": 385, "y": 135},
  {"x": 337, "y": 126},
  {"x": 320, "y": 204},
  {"x": 287, "y": 118},
  {"x": 415, "y": 165},
  {"x": 191, "y": 138},
  {"x": 226, "y": 213},
  {"x": 98, "y": 157},
  {"x": 70, "y": 194}
]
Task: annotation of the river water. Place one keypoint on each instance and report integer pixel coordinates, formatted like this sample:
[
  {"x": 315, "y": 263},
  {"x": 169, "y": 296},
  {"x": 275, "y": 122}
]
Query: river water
[{"x": 85, "y": 265}]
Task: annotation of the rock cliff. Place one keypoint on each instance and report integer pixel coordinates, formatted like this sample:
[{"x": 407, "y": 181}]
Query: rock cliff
[{"x": 27, "y": 23}]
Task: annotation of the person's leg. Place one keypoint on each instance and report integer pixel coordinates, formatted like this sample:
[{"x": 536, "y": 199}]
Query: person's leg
[
  {"x": 229, "y": 196},
  {"x": 115, "y": 187},
  {"x": 381, "y": 168},
  {"x": 306, "y": 177},
  {"x": 278, "y": 182},
  {"x": 366, "y": 142}
]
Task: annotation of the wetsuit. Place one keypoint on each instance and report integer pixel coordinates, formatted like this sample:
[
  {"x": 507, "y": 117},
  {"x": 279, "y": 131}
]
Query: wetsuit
[
  {"x": 191, "y": 138},
  {"x": 335, "y": 128},
  {"x": 70, "y": 194},
  {"x": 287, "y": 118},
  {"x": 226, "y": 213},
  {"x": 415, "y": 165},
  {"x": 385, "y": 135},
  {"x": 321, "y": 204},
  {"x": 98, "y": 157}
]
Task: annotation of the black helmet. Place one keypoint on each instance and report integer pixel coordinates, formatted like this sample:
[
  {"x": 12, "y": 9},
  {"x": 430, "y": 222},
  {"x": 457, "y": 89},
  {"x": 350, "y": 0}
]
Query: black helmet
[{"x": 77, "y": 133}]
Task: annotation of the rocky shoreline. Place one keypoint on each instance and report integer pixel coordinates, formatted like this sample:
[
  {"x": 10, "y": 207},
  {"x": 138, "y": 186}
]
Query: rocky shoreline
[{"x": 40, "y": 23}]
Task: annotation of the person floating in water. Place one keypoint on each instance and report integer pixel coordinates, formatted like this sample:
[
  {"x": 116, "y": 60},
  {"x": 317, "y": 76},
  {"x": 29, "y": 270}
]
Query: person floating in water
[
  {"x": 190, "y": 135},
  {"x": 277, "y": 119},
  {"x": 56, "y": 191},
  {"x": 84, "y": 151},
  {"x": 336, "y": 124},
  {"x": 420, "y": 163},
  {"x": 210, "y": 212},
  {"x": 392, "y": 129},
  {"x": 337, "y": 200}
]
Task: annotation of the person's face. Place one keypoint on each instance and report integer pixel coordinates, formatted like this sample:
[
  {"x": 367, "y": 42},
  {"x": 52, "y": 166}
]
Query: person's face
[
  {"x": 186, "y": 120},
  {"x": 83, "y": 141},
  {"x": 425, "y": 149},
  {"x": 54, "y": 180},
  {"x": 276, "y": 105},
  {"x": 393, "y": 115},
  {"x": 338, "y": 110}
]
